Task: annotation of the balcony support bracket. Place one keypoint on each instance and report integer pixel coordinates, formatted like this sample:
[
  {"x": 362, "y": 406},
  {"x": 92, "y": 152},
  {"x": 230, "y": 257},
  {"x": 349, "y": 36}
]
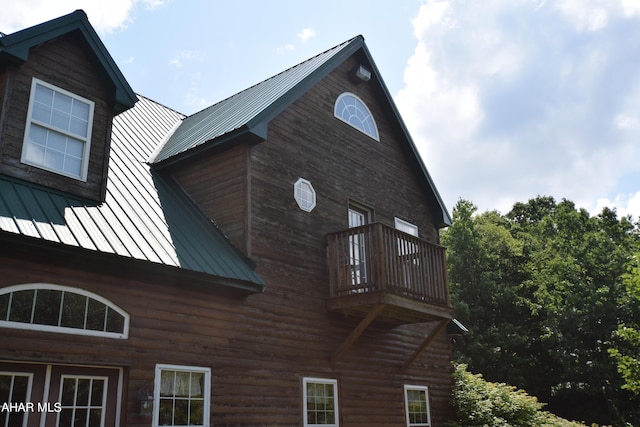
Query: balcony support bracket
[
  {"x": 434, "y": 333},
  {"x": 355, "y": 334}
]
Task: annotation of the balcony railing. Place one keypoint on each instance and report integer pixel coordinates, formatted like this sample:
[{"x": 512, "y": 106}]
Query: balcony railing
[{"x": 376, "y": 258}]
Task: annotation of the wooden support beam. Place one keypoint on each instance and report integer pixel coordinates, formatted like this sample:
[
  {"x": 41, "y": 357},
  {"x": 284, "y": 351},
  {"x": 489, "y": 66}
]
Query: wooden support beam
[
  {"x": 355, "y": 334},
  {"x": 443, "y": 324}
]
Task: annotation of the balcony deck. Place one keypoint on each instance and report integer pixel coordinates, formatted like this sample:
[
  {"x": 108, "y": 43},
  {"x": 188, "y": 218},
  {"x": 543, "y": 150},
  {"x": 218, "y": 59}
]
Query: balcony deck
[{"x": 401, "y": 277}]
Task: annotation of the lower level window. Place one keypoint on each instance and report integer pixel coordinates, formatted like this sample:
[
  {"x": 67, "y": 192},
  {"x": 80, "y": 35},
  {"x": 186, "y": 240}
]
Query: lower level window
[
  {"x": 320, "y": 402},
  {"x": 182, "y": 396},
  {"x": 417, "y": 405},
  {"x": 83, "y": 401}
]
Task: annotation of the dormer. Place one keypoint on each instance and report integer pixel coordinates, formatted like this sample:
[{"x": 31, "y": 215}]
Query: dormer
[{"x": 59, "y": 92}]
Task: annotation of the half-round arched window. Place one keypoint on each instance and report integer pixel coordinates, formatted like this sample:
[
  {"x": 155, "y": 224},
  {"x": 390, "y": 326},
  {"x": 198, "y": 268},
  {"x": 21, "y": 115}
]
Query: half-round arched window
[
  {"x": 55, "y": 308},
  {"x": 351, "y": 109}
]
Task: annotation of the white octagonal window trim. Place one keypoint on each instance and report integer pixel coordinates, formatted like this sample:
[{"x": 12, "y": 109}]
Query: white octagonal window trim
[{"x": 304, "y": 194}]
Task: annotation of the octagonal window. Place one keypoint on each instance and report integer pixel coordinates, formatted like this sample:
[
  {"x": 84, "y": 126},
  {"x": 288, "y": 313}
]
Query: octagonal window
[{"x": 304, "y": 194}]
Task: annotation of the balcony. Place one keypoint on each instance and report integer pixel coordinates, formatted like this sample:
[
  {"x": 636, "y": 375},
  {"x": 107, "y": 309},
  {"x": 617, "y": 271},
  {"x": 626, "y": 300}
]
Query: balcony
[{"x": 383, "y": 274}]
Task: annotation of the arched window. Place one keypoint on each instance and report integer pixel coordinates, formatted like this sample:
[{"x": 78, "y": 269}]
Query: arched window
[
  {"x": 54, "y": 308},
  {"x": 351, "y": 109}
]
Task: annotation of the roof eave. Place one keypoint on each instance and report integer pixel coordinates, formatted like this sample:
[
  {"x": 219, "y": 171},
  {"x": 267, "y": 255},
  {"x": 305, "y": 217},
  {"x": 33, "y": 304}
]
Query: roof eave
[
  {"x": 31, "y": 245},
  {"x": 15, "y": 48}
]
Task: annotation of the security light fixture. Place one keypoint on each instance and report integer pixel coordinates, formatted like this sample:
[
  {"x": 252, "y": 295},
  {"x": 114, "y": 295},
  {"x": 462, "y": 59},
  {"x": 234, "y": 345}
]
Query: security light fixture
[
  {"x": 361, "y": 74},
  {"x": 145, "y": 398}
]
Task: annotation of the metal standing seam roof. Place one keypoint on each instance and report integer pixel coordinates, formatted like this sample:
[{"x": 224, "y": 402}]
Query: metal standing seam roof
[
  {"x": 248, "y": 108},
  {"x": 145, "y": 216}
]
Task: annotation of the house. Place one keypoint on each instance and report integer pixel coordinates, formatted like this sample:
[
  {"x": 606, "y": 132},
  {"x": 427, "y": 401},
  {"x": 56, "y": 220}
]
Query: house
[{"x": 271, "y": 260}]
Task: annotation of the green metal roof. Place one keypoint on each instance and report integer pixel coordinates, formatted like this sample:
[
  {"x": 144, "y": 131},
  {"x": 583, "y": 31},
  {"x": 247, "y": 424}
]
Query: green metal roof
[
  {"x": 248, "y": 112},
  {"x": 15, "y": 48},
  {"x": 144, "y": 217}
]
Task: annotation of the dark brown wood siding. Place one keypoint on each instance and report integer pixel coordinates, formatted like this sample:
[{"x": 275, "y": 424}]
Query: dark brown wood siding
[
  {"x": 219, "y": 186},
  {"x": 259, "y": 349},
  {"x": 289, "y": 245},
  {"x": 62, "y": 62}
]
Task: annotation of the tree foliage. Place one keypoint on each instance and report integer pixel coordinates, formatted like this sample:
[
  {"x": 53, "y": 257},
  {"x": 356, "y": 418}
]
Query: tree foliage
[{"x": 543, "y": 293}]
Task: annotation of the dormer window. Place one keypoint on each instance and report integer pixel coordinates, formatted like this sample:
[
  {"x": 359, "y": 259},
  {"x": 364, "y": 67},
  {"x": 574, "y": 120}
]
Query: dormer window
[
  {"x": 352, "y": 110},
  {"x": 58, "y": 131}
]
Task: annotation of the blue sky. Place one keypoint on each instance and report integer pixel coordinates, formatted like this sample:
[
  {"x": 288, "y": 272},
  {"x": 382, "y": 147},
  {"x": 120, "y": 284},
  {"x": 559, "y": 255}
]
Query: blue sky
[{"x": 505, "y": 99}]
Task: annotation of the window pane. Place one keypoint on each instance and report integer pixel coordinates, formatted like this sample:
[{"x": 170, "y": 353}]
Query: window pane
[
  {"x": 4, "y": 306},
  {"x": 73, "y": 166},
  {"x": 95, "y": 418},
  {"x": 62, "y": 102},
  {"x": 41, "y": 112},
  {"x": 181, "y": 412},
  {"x": 66, "y": 418},
  {"x": 165, "y": 417},
  {"x": 73, "y": 310},
  {"x": 60, "y": 119},
  {"x": 38, "y": 134},
  {"x": 196, "y": 412},
  {"x": 68, "y": 392},
  {"x": 83, "y": 387},
  {"x": 97, "y": 391},
  {"x": 44, "y": 95},
  {"x": 78, "y": 126},
  {"x": 96, "y": 315},
  {"x": 197, "y": 384},
  {"x": 182, "y": 383},
  {"x": 5, "y": 387},
  {"x": 115, "y": 321},
  {"x": 21, "y": 306},
  {"x": 166, "y": 383},
  {"x": 47, "y": 311},
  {"x": 80, "y": 418},
  {"x": 53, "y": 160},
  {"x": 80, "y": 110}
]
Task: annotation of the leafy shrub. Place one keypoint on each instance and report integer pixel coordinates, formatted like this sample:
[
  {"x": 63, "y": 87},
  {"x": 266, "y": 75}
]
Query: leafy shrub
[{"x": 479, "y": 403}]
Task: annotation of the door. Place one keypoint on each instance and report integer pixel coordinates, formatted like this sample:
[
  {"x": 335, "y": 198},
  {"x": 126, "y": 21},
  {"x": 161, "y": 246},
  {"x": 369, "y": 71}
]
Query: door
[
  {"x": 358, "y": 263},
  {"x": 59, "y": 395}
]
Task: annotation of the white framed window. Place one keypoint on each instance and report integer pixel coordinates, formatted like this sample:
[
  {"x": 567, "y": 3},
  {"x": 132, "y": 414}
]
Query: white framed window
[
  {"x": 320, "y": 401},
  {"x": 54, "y": 308},
  {"x": 15, "y": 388},
  {"x": 83, "y": 401},
  {"x": 304, "y": 194},
  {"x": 406, "y": 227},
  {"x": 58, "y": 132},
  {"x": 352, "y": 110},
  {"x": 182, "y": 396},
  {"x": 416, "y": 400}
]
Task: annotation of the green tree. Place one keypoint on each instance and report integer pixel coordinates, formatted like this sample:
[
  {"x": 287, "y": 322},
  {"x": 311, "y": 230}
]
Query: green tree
[
  {"x": 626, "y": 343},
  {"x": 541, "y": 290}
]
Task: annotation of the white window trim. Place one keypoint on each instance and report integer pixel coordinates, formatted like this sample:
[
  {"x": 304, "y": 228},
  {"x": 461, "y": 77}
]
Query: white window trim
[
  {"x": 408, "y": 387},
  {"x": 63, "y": 329},
  {"x": 183, "y": 368},
  {"x": 333, "y": 382},
  {"x": 296, "y": 195},
  {"x": 87, "y": 140},
  {"x": 375, "y": 137},
  {"x": 403, "y": 226}
]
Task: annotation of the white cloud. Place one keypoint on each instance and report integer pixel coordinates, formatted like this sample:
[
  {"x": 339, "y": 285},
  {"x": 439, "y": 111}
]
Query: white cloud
[
  {"x": 508, "y": 100},
  {"x": 184, "y": 57},
  {"x": 624, "y": 204},
  {"x": 286, "y": 48},
  {"x": 105, "y": 15},
  {"x": 306, "y": 34}
]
